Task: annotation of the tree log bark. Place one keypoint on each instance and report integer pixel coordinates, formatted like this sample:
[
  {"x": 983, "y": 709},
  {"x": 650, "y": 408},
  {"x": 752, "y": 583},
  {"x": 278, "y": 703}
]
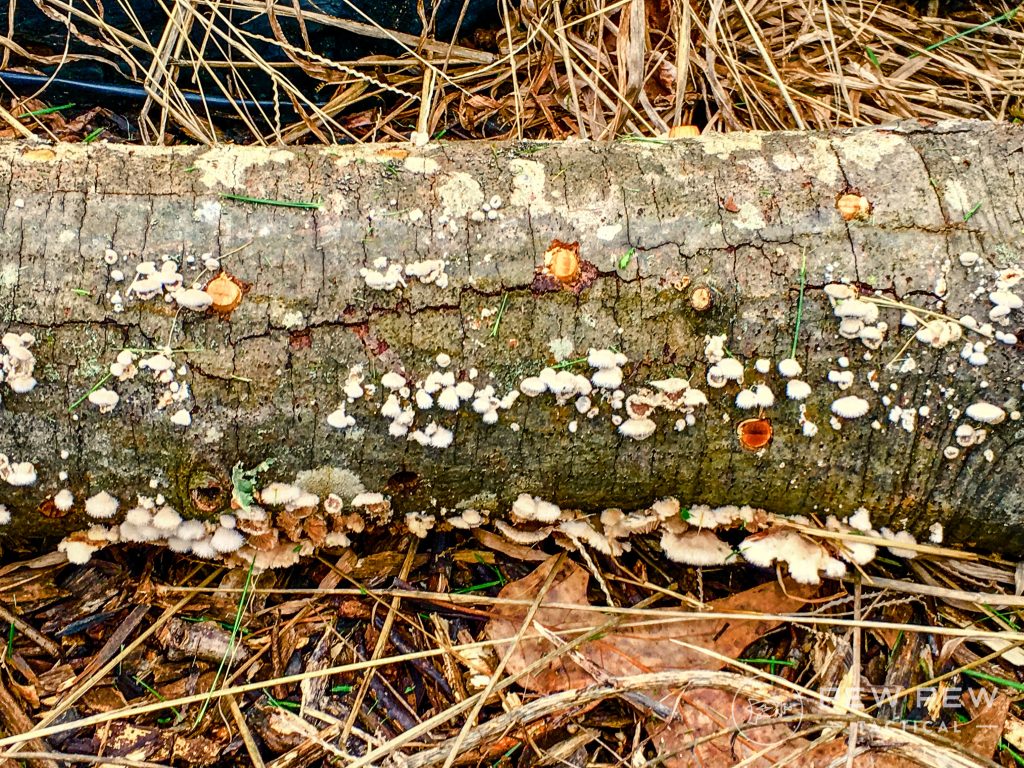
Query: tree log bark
[{"x": 656, "y": 223}]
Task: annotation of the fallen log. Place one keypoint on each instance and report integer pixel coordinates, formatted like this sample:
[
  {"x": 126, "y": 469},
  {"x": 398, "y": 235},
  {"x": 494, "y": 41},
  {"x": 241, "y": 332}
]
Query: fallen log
[{"x": 366, "y": 315}]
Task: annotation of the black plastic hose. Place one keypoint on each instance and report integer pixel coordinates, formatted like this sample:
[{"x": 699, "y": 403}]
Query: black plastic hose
[{"x": 23, "y": 83}]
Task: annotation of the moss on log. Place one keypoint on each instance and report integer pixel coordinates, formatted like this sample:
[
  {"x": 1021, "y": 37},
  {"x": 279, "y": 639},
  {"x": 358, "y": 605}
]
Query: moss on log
[{"x": 407, "y": 254}]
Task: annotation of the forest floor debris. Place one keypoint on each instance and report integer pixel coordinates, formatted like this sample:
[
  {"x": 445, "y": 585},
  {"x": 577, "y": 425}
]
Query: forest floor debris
[{"x": 444, "y": 651}]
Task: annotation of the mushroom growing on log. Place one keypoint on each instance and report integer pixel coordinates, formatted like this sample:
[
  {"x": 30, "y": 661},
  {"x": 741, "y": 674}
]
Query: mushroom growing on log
[{"x": 391, "y": 330}]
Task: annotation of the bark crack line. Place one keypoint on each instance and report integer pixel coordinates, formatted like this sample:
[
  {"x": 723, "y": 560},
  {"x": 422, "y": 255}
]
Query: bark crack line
[
  {"x": 933, "y": 183},
  {"x": 846, "y": 183}
]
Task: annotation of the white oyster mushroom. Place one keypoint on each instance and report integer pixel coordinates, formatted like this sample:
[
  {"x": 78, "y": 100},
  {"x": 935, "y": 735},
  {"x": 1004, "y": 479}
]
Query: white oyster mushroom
[
  {"x": 104, "y": 399},
  {"x": 101, "y": 506},
  {"x": 986, "y": 413},
  {"x": 850, "y": 407}
]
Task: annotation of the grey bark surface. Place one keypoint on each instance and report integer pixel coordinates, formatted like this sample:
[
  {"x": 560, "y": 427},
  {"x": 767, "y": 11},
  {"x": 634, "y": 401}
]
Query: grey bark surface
[{"x": 737, "y": 213}]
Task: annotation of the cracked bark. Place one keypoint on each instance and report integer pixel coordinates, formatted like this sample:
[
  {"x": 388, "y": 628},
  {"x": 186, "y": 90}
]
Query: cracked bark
[{"x": 260, "y": 391}]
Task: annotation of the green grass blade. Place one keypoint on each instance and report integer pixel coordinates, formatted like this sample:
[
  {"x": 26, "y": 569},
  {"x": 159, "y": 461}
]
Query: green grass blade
[{"x": 267, "y": 201}]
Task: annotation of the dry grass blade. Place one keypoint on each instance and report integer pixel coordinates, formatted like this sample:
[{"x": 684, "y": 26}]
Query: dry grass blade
[
  {"x": 593, "y": 69},
  {"x": 382, "y": 639},
  {"x": 82, "y": 688},
  {"x": 66, "y": 757},
  {"x": 471, "y": 718}
]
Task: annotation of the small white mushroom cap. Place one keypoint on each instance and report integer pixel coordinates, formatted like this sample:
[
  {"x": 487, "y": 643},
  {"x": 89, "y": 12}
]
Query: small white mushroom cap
[
  {"x": 804, "y": 558},
  {"x": 850, "y": 407},
  {"x": 419, "y": 523},
  {"x": 864, "y": 311},
  {"x": 935, "y": 533},
  {"x": 858, "y": 552},
  {"x": 436, "y": 380},
  {"x": 279, "y": 494},
  {"x": 147, "y": 287},
  {"x": 699, "y": 548},
  {"x": 63, "y": 500},
  {"x": 693, "y": 398},
  {"x": 367, "y": 499},
  {"x": 441, "y": 437},
  {"x": 391, "y": 409},
  {"x": 204, "y": 548},
  {"x": 730, "y": 368},
  {"x": 560, "y": 383},
  {"x": 860, "y": 520},
  {"x": 5, "y": 515},
  {"x": 789, "y": 367},
  {"x": 666, "y": 509},
  {"x": 166, "y": 519},
  {"x": 423, "y": 400},
  {"x": 181, "y": 546},
  {"x": 605, "y": 358},
  {"x": 797, "y": 389},
  {"x": 305, "y": 500},
  {"x": 746, "y": 399},
  {"x": 840, "y": 291},
  {"x": 966, "y": 435},
  {"x": 192, "y": 298},
  {"x": 1004, "y": 298},
  {"x": 158, "y": 363},
  {"x": 448, "y": 399},
  {"x": 607, "y": 378},
  {"x": 21, "y": 385},
  {"x": 191, "y": 530},
  {"x": 101, "y": 506},
  {"x": 581, "y": 531},
  {"x": 520, "y": 536},
  {"x": 100, "y": 532},
  {"x": 104, "y": 399},
  {"x": 834, "y": 569},
  {"x": 77, "y": 552},
  {"x": 900, "y": 537},
  {"x": 986, "y": 413},
  {"x": 392, "y": 381},
  {"x": 181, "y": 418},
  {"x": 638, "y": 429},
  {"x": 139, "y": 533},
  {"x": 671, "y": 386},
  {"x": 842, "y": 379},
  {"x": 21, "y": 474},
  {"x": 138, "y": 517},
  {"x": 532, "y": 386},
  {"x": 225, "y": 540},
  {"x": 486, "y": 406},
  {"x": 527, "y": 507},
  {"x": 764, "y": 396}
]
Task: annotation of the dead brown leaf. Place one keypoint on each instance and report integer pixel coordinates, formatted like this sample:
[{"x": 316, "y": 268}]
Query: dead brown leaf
[
  {"x": 748, "y": 731},
  {"x": 982, "y": 734},
  {"x": 633, "y": 647},
  {"x": 704, "y": 712}
]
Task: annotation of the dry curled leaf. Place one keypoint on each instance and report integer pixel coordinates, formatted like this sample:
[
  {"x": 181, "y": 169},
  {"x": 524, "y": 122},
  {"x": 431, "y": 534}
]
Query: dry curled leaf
[{"x": 629, "y": 650}]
